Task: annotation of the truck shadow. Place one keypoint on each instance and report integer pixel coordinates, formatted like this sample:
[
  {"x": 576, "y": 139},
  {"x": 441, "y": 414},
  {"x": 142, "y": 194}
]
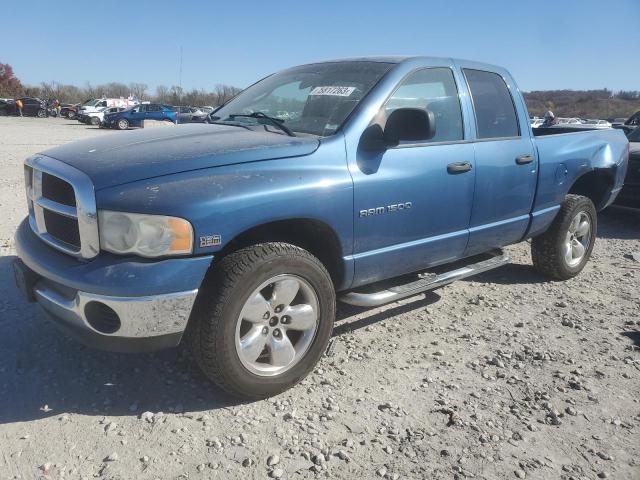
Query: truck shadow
[
  {"x": 510, "y": 274},
  {"x": 44, "y": 373},
  {"x": 620, "y": 223},
  {"x": 350, "y": 318}
]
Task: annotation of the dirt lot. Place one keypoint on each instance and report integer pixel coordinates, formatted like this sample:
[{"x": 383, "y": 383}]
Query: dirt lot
[{"x": 507, "y": 375}]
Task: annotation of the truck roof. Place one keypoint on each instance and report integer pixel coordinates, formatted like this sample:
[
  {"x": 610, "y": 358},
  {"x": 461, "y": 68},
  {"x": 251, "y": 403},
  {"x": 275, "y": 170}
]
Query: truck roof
[{"x": 412, "y": 58}]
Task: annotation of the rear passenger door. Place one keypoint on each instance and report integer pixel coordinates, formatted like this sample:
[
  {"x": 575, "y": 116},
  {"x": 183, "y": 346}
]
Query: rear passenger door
[
  {"x": 505, "y": 161},
  {"x": 153, "y": 112}
]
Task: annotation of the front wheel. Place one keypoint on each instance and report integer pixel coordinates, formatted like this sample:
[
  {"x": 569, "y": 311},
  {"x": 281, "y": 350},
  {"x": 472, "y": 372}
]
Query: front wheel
[
  {"x": 41, "y": 113},
  {"x": 123, "y": 124},
  {"x": 263, "y": 319},
  {"x": 563, "y": 250},
  {"x": 95, "y": 121},
  {"x": 71, "y": 115}
]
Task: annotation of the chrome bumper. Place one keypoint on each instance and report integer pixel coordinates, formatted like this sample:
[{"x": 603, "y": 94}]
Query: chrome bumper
[{"x": 139, "y": 317}]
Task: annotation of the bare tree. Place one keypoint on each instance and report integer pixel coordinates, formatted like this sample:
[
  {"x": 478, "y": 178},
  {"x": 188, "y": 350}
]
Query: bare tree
[
  {"x": 162, "y": 94},
  {"x": 175, "y": 95},
  {"x": 138, "y": 90}
]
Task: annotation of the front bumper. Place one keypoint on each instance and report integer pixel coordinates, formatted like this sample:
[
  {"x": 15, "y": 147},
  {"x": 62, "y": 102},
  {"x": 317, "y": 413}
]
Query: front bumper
[{"x": 112, "y": 303}]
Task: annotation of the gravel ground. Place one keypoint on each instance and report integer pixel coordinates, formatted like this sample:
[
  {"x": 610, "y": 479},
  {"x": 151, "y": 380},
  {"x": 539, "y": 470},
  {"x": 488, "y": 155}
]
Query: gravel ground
[{"x": 507, "y": 375}]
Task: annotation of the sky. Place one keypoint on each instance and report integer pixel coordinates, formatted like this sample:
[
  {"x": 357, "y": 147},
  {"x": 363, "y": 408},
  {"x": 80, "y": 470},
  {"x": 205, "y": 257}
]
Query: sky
[{"x": 546, "y": 44}]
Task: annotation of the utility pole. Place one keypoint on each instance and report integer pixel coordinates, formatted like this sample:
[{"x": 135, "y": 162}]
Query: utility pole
[{"x": 180, "y": 78}]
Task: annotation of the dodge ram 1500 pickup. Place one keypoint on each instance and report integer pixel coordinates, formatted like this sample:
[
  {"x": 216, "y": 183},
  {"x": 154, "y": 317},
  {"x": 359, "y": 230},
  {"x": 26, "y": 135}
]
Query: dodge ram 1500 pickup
[{"x": 364, "y": 180}]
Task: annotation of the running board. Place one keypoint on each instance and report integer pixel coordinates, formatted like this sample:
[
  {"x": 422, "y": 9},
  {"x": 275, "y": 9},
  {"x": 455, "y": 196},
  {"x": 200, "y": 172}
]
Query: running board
[{"x": 428, "y": 281}]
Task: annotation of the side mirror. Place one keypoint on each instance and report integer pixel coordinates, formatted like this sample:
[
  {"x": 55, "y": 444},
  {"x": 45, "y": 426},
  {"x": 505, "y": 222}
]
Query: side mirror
[{"x": 409, "y": 124}]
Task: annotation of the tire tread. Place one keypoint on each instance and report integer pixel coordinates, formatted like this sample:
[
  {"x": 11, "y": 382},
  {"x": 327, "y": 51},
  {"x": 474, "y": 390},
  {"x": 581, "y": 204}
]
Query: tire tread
[
  {"x": 219, "y": 285},
  {"x": 544, "y": 251}
]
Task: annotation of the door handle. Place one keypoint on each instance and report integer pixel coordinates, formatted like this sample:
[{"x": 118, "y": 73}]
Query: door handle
[
  {"x": 524, "y": 159},
  {"x": 458, "y": 167}
]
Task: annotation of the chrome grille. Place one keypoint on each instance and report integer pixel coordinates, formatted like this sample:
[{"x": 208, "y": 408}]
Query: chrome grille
[{"x": 62, "y": 206}]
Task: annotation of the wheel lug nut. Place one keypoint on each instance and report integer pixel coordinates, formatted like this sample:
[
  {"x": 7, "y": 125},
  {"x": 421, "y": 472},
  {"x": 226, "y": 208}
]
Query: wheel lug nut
[
  {"x": 265, "y": 330},
  {"x": 285, "y": 320},
  {"x": 279, "y": 308},
  {"x": 266, "y": 315},
  {"x": 276, "y": 333}
]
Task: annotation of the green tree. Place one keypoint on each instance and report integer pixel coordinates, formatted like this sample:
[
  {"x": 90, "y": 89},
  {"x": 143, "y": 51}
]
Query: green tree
[{"x": 10, "y": 86}]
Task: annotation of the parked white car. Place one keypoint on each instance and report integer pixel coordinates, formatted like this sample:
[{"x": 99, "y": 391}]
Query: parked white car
[
  {"x": 569, "y": 121},
  {"x": 593, "y": 123},
  {"x": 98, "y": 104},
  {"x": 96, "y": 118},
  {"x": 536, "y": 122}
]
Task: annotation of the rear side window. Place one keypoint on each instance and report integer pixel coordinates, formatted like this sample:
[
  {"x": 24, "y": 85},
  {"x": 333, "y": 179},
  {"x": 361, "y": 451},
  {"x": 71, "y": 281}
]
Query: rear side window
[
  {"x": 495, "y": 113},
  {"x": 433, "y": 89}
]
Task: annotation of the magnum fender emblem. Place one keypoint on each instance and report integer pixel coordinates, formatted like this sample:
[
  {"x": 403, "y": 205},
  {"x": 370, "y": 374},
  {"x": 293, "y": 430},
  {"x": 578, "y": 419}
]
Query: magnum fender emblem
[
  {"x": 210, "y": 241},
  {"x": 396, "y": 207}
]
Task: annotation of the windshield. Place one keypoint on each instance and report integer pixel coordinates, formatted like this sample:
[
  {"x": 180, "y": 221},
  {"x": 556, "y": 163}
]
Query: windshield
[
  {"x": 634, "y": 136},
  {"x": 313, "y": 99}
]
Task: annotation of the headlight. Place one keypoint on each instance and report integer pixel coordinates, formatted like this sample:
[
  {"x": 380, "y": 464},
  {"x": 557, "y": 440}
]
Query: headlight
[{"x": 144, "y": 235}]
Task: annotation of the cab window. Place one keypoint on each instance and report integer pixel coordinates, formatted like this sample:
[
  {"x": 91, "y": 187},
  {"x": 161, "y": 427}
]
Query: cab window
[
  {"x": 495, "y": 112},
  {"x": 432, "y": 89}
]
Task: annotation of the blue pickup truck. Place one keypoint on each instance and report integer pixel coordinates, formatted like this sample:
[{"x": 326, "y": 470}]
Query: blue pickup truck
[{"x": 364, "y": 181}]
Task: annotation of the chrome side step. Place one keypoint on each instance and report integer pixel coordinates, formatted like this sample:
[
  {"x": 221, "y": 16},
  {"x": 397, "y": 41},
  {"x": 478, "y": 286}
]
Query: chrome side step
[{"x": 428, "y": 281}]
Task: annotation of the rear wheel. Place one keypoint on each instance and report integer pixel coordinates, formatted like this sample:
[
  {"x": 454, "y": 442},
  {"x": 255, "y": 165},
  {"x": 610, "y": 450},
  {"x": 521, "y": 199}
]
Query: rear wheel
[
  {"x": 71, "y": 115},
  {"x": 41, "y": 113},
  {"x": 123, "y": 124},
  {"x": 95, "y": 121},
  {"x": 263, "y": 320},
  {"x": 563, "y": 250}
]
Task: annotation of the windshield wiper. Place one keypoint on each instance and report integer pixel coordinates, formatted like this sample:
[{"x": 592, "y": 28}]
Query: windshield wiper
[
  {"x": 233, "y": 124},
  {"x": 276, "y": 122}
]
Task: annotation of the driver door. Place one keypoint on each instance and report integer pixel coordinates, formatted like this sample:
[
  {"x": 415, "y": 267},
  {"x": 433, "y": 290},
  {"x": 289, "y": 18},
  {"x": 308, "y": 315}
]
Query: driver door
[{"x": 413, "y": 201}]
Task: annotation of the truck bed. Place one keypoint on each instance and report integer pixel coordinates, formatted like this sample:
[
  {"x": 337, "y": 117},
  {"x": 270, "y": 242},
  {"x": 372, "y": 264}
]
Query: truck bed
[
  {"x": 565, "y": 154},
  {"x": 541, "y": 132}
]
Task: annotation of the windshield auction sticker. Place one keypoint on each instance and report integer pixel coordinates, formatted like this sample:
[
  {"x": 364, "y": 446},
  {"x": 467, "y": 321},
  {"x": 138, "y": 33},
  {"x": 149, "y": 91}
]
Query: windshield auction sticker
[{"x": 336, "y": 91}]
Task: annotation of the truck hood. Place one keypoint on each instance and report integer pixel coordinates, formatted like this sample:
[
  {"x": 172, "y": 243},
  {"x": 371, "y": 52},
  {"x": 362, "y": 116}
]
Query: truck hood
[{"x": 123, "y": 157}]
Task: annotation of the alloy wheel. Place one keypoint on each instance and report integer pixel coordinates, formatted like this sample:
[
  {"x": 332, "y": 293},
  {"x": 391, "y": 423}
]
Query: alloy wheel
[
  {"x": 578, "y": 239},
  {"x": 277, "y": 325}
]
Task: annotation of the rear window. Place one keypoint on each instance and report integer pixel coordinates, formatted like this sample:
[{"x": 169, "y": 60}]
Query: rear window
[{"x": 495, "y": 113}]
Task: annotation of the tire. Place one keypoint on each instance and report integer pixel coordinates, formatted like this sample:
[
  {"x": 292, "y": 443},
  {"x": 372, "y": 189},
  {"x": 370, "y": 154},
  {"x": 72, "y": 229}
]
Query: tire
[
  {"x": 556, "y": 252},
  {"x": 41, "y": 113},
  {"x": 218, "y": 319},
  {"x": 122, "y": 124},
  {"x": 94, "y": 121},
  {"x": 71, "y": 115}
]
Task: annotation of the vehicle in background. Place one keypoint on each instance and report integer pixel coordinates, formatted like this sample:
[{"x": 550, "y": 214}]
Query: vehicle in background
[
  {"x": 31, "y": 107},
  {"x": 569, "y": 121},
  {"x": 627, "y": 124},
  {"x": 630, "y": 194},
  {"x": 96, "y": 118},
  {"x": 633, "y": 120},
  {"x": 97, "y": 104},
  {"x": 536, "y": 122},
  {"x": 187, "y": 114},
  {"x": 207, "y": 109},
  {"x": 239, "y": 236},
  {"x": 6, "y": 106},
  {"x": 596, "y": 123},
  {"x": 134, "y": 117},
  {"x": 69, "y": 111}
]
